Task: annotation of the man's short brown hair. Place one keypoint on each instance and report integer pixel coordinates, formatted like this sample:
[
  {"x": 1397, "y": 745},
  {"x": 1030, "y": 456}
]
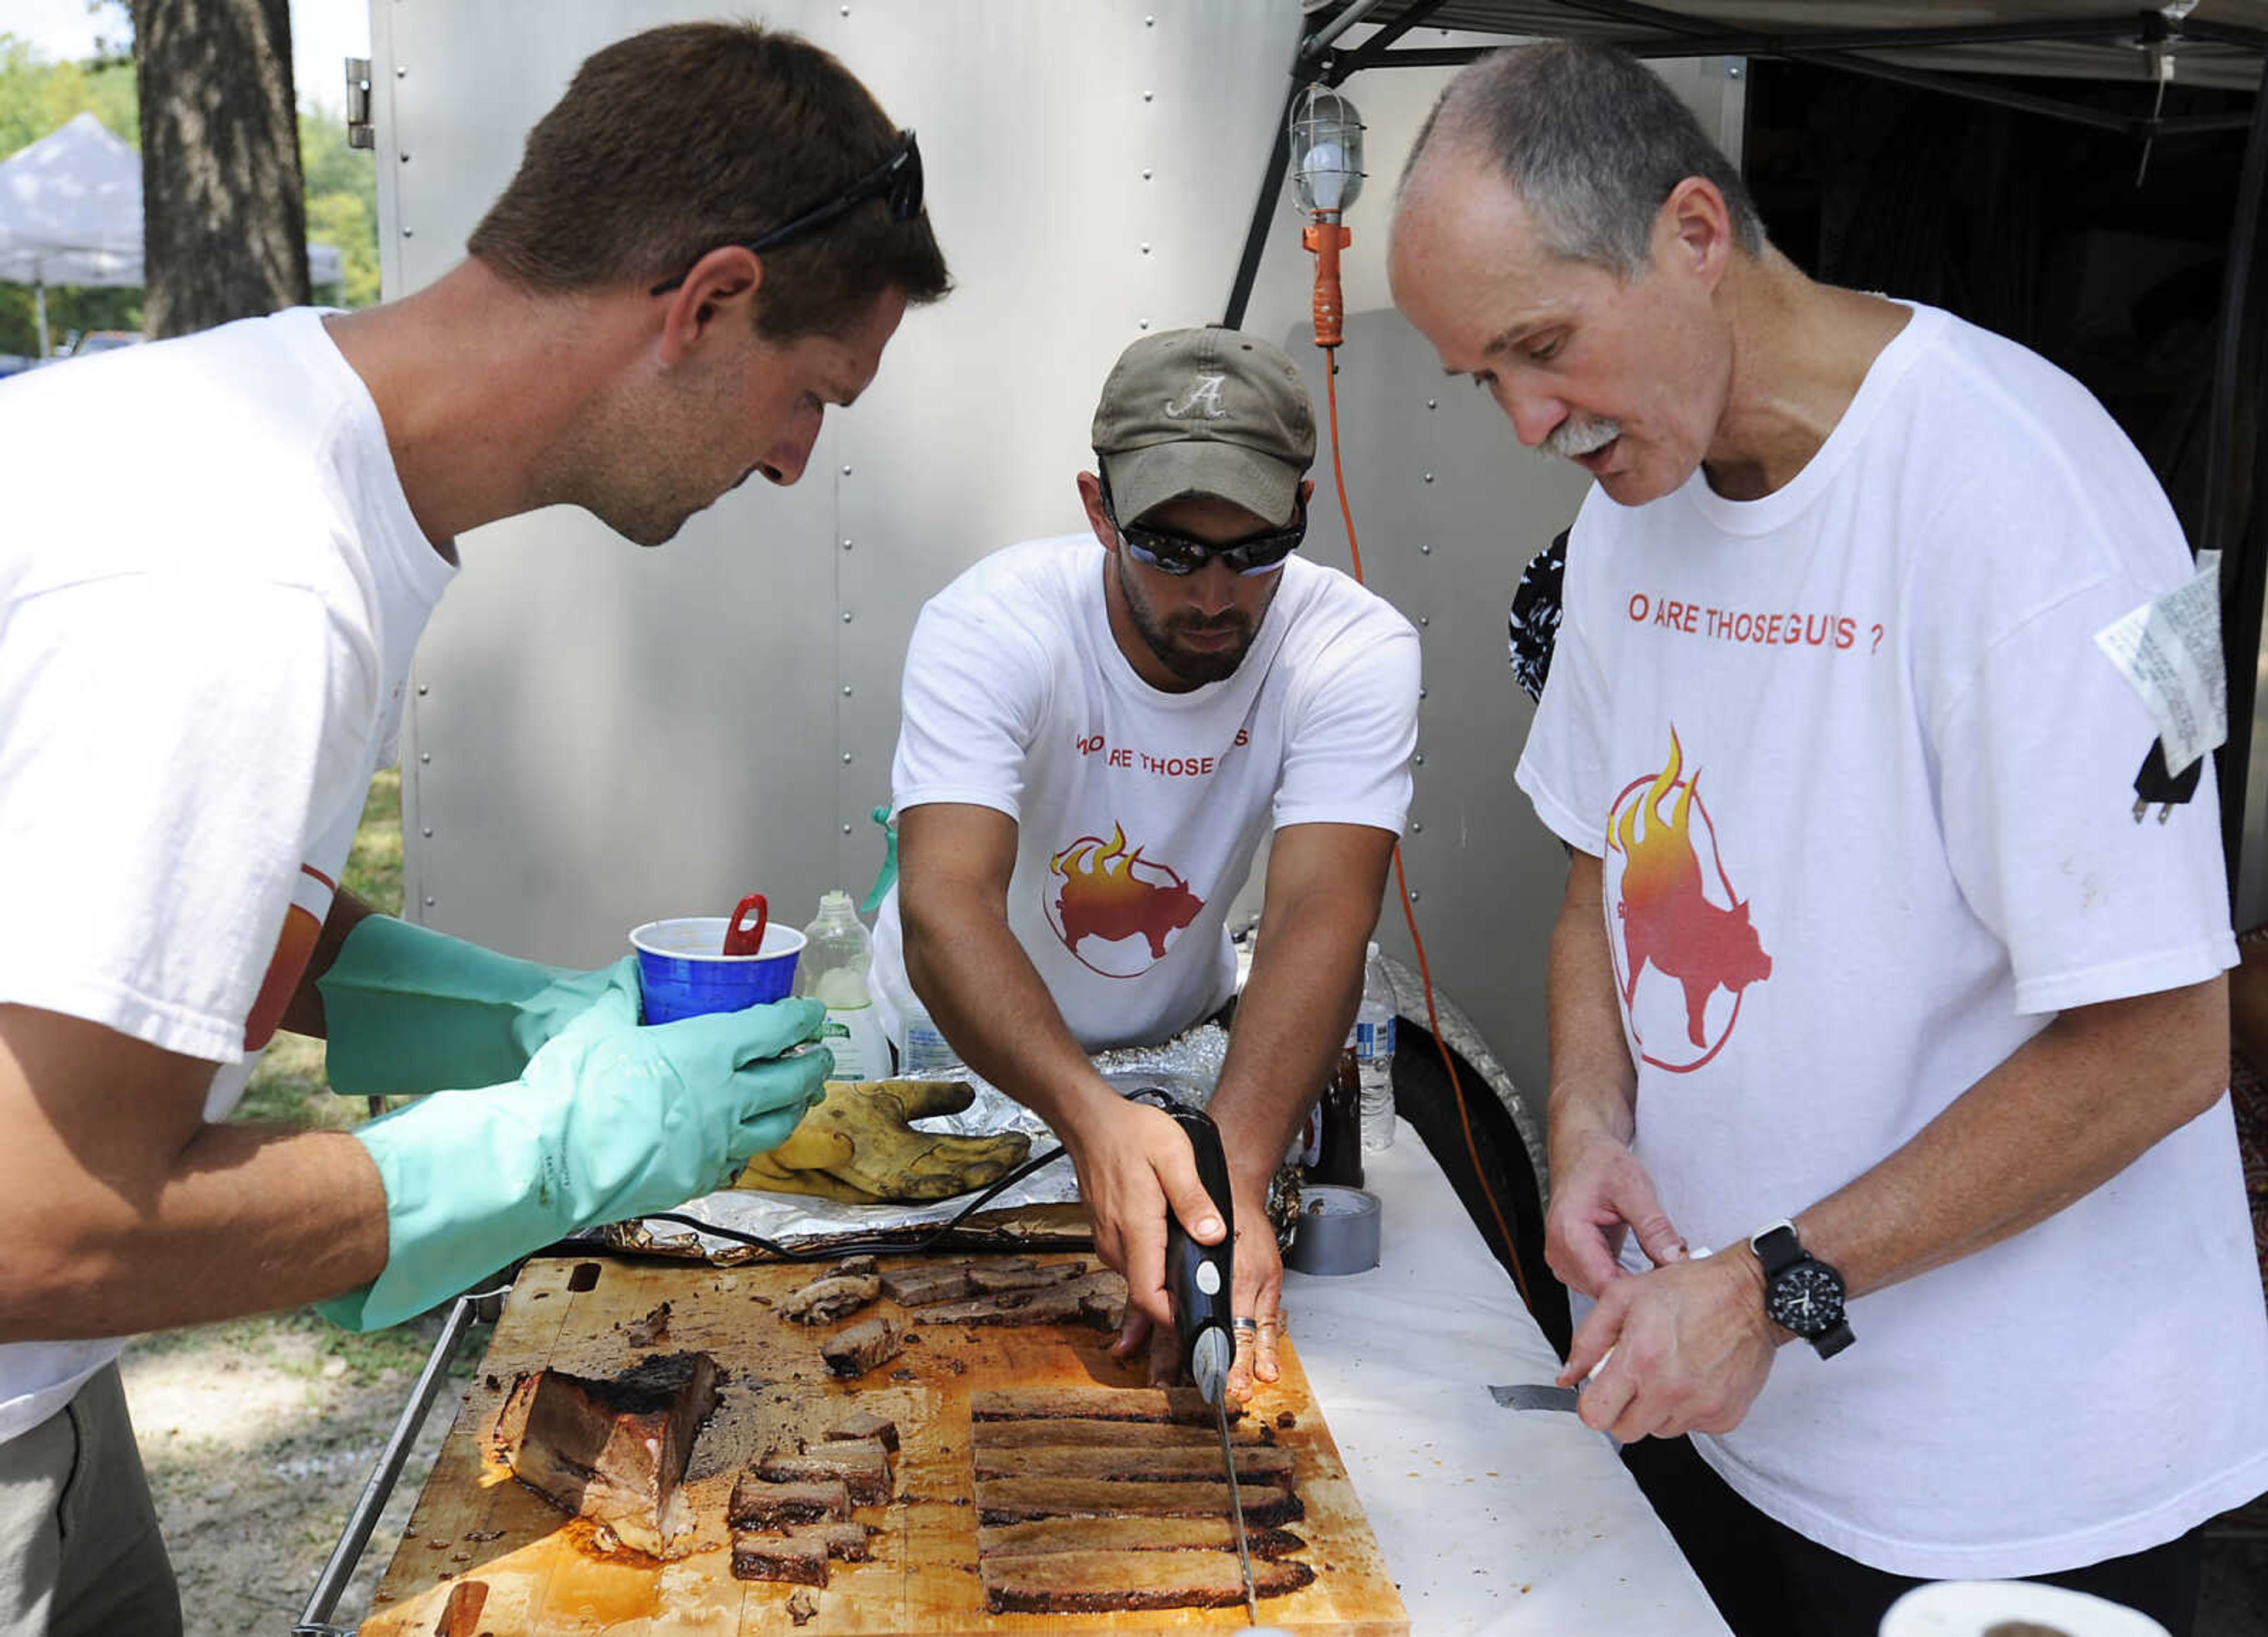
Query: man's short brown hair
[{"x": 680, "y": 139}]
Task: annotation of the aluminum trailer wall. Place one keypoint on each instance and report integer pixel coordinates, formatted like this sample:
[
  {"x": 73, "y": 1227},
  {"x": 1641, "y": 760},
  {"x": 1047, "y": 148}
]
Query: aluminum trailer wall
[{"x": 600, "y": 736}]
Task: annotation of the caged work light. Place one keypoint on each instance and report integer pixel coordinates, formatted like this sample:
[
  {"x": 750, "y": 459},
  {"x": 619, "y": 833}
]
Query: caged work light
[{"x": 1326, "y": 178}]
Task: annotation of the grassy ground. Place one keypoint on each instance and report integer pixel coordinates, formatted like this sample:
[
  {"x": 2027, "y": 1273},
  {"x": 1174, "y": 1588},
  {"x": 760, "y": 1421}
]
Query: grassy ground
[{"x": 258, "y": 1433}]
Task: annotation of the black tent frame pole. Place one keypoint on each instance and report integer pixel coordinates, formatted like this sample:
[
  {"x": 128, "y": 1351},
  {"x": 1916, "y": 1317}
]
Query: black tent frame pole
[
  {"x": 1271, "y": 184},
  {"x": 2232, "y": 520}
]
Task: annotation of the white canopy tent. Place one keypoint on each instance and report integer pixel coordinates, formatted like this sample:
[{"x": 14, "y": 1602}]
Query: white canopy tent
[{"x": 70, "y": 213}]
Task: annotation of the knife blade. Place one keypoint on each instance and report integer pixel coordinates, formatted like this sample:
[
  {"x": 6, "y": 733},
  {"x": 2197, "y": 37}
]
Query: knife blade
[
  {"x": 1198, "y": 1278},
  {"x": 1533, "y": 1395},
  {"x": 1536, "y": 1395}
]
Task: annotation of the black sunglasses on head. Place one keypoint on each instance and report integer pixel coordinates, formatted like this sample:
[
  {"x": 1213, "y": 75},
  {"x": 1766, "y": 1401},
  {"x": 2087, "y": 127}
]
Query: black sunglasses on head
[
  {"x": 1171, "y": 552},
  {"x": 897, "y": 181}
]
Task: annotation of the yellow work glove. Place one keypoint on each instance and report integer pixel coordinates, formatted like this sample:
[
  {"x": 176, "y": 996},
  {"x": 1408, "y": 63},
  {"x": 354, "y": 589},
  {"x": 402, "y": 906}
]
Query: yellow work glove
[{"x": 858, "y": 1145}]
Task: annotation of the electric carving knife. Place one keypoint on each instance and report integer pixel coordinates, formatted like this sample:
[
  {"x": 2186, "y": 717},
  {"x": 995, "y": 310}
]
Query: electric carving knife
[{"x": 1197, "y": 1279}]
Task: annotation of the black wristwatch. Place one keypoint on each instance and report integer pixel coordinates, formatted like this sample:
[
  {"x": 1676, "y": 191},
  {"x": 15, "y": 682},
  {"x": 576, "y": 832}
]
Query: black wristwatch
[{"x": 1801, "y": 1292}]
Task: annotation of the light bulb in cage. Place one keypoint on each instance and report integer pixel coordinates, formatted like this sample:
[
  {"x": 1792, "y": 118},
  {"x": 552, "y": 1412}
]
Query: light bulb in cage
[{"x": 1326, "y": 151}]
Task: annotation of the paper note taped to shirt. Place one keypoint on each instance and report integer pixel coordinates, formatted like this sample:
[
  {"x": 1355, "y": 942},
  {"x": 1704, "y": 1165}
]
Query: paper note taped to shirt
[{"x": 2169, "y": 651}]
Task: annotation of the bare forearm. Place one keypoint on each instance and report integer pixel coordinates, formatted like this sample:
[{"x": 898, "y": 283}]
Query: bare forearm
[
  {"x": 982, "y": 991},
  {"x": 2067, "y": 1112},
  {"x": 250, "y": 1219},
  {"x": 1594, "y": 1087},
  {"x": 1291, "y": 1021}
]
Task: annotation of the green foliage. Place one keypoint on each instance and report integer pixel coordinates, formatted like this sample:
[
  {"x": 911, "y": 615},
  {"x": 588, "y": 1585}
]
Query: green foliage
[
  {"x": 341, "y": 187},
  {"x": 37, "y": 97}
]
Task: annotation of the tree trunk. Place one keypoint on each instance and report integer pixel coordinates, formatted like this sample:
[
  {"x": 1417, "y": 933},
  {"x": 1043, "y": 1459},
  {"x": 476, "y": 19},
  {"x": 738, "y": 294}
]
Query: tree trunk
[{"x": 224, "y": 221}]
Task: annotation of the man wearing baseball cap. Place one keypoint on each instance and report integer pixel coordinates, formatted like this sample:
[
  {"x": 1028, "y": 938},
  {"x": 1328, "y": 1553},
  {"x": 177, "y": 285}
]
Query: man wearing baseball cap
[{"x": 1098, "y": 731}]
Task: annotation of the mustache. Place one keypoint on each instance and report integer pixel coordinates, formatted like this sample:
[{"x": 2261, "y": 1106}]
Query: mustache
[
  {"x": 1198, "y": 626},
  {"x": 1578, "y": 434}
]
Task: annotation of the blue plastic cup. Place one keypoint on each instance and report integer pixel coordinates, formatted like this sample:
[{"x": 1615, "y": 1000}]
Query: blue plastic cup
[{"x": 685, "y": 973}]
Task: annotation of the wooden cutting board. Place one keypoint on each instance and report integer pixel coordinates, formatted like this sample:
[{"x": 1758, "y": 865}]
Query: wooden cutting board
[{"x": 484, "y": 1555}]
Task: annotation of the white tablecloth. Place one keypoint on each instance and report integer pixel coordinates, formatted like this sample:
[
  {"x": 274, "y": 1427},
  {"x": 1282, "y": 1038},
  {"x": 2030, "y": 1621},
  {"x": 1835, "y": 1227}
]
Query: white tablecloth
[{"x": 1492, "y": 1521}]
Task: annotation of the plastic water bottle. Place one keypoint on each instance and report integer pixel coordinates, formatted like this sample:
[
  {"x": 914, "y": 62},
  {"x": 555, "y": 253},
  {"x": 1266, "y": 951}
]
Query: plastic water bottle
[
  {"x": 1374, "y": 1028},
  {"x": 837, "y": 954},
  {"x": 928, "y": 1055}
]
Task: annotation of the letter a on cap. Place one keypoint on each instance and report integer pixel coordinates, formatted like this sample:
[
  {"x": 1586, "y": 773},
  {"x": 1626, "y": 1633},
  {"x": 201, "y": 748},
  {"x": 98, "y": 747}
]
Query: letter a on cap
[{"x": 1204, "y": 397}]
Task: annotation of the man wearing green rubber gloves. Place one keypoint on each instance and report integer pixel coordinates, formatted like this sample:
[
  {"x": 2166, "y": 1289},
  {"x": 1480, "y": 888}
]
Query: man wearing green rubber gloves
[{"x": 710, "y": 239}]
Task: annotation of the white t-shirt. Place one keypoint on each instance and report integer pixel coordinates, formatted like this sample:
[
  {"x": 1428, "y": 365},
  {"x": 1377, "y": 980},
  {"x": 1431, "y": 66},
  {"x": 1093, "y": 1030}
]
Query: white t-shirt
[
  {"x": 1137, "y": 811},
  {"x": 1891, "y": 834},
  {"x": 210, "y": 585}
]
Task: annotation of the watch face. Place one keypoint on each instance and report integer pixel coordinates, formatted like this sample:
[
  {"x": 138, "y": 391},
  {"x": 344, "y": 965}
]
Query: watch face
[{"x": 1806, "y": 1298}]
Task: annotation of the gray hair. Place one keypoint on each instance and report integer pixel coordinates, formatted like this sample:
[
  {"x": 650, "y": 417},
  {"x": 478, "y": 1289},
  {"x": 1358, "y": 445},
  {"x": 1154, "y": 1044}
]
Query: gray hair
[{"x": 1593, "y": 142}]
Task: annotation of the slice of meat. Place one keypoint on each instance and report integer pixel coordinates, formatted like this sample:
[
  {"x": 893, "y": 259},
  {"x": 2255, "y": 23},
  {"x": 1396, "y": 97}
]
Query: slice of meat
[
  {"x": 852, "y": 1267},
  {"x": 992, "y": 1278},
  {"x": 918, "y": 1287},
  {"x": 1183, "y": 1404},
  {"x": 799, "y": 1559},
  {"x": 867, "y": 1424},
  {"x": 1093, "y": 1435},
  {"x": 1132, "y": 1534},
  {"x": 644, "y": 1333},
  {"x": 756, "y": 1504},
  {"x": 857, "y": 1349},
  {"x": 823, "y": 1301},
  {"x": 851, "y": 1542},
  {"x": 1097, "y": 1298},
  {"x": 1022, "y": 1500},
  {"x": 861, "y": 1464},
  {"x": 1087, "y": 1583},
  {"x": 1121, "y": 1464},
  {"x": 614, "y": 1450}
]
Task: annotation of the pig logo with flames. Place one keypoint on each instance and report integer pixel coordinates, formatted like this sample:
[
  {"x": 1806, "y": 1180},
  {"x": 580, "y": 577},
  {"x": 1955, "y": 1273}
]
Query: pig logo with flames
[
  {"x": 1669, "y": 920},
  {"x": 1119, "y": 899}
]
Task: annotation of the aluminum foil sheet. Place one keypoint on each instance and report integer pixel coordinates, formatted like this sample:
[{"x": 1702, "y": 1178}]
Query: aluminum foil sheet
[{"x": 1032, "y": 1210}]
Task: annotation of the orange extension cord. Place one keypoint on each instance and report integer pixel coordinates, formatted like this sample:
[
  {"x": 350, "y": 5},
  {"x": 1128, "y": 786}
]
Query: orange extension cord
[{"x": 1402, "y": 881}]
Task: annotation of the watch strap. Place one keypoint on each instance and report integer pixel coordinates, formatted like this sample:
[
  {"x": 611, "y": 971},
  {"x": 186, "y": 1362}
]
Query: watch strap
[{"x": 1776, "y": 1247}]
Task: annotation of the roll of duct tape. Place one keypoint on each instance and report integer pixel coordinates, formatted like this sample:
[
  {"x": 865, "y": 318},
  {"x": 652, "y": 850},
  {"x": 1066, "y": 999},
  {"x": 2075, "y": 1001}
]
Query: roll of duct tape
[{"x": 1337, "y": 1232}]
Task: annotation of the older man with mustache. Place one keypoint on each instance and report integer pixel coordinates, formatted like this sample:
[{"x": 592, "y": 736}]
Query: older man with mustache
[{"x": 1900, "y": 1004}]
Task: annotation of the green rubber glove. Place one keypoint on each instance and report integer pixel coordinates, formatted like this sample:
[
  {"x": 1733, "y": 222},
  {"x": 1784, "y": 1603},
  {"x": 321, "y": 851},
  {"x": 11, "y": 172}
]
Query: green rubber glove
[
  {"x": 610, "y": 1121},
  {"x": 410, "y": 1010}
]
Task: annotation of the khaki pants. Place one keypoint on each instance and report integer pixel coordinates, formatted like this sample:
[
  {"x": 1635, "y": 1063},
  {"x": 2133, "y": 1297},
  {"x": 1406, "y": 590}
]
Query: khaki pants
[{"x": 80, "y": 1556}]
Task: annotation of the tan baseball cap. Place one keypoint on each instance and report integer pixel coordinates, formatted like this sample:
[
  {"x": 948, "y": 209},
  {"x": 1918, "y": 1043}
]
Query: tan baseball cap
[{"x": 1210, "y": 412}]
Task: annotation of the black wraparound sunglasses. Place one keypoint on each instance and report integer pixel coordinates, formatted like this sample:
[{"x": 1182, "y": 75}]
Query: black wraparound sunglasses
[
  {"x": 1170, "y": 552},
  {"x": 897, "y": 181}
]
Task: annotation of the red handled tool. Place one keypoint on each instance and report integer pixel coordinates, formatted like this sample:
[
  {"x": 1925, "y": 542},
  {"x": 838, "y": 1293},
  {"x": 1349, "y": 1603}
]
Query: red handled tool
[{"x": 740, "y": 938}]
